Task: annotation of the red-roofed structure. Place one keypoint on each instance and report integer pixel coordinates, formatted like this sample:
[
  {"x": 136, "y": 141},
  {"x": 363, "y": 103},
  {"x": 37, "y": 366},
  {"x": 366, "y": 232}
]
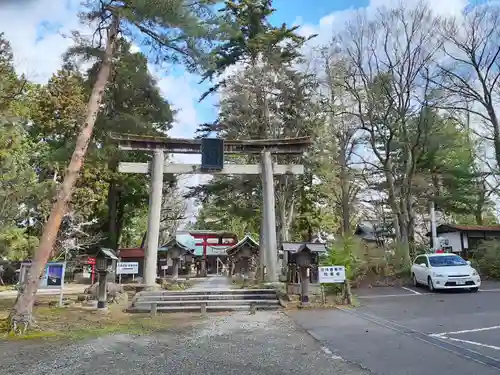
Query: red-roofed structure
[
  {"x": 464, "y": 239},
  {"x": 131, "y": 253}
]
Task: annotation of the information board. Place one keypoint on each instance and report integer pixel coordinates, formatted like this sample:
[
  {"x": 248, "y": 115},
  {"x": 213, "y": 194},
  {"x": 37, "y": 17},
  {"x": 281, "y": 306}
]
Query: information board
[
  {"x": 331, "y": 274},
  {"x": 127, "y": 268},
  {"x": 52, "y": 278}
]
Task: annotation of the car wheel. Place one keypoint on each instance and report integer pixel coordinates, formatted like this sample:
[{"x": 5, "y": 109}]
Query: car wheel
[
  {"x": 474, "y": 290},
  {"x": 415, "y": 282},
  {"x": 430, "y": 284}
]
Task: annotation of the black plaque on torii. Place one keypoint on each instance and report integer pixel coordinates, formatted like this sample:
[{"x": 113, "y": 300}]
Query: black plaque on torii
[{"x": 212, "y": 154}]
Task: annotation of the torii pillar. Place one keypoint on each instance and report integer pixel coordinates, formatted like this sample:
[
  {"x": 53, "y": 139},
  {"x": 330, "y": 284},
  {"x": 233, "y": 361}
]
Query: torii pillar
[
  {"x": 268, "y": 224},
  {"x": 154, "y": 218}
]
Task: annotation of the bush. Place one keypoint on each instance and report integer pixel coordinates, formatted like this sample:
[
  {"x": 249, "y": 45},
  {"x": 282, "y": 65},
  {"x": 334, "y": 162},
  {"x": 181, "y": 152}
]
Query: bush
[
  {"x": 365, "y": 262},
  {"x": 341, "y": 253},
  {"x": 487, "y": 259}
]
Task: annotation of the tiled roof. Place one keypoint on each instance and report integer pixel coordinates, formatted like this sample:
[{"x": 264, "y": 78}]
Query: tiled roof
[
  {"x": 293, "y": 247},
  {"x": 132, "y": 253},
  {"x": 447, "y": 228},
  {"x": 246, "y": 240},
  {"x": 479, "y": 228},
  {"x": 109, "y": 253}
]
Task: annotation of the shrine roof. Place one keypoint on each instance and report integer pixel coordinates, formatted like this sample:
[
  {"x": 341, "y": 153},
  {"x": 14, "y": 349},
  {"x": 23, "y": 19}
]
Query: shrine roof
[
  {"x": 131, "y": 253},
  {"x": 247, "y": 240},
  {"x": 295, "y": 247},
  {"x": 207, "y": 232},
  {"x": 108, "y": 253},
  {"x": 173, "y": 242}
]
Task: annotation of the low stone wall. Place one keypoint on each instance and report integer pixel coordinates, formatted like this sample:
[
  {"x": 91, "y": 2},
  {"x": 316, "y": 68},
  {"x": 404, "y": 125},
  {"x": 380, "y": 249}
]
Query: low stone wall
[{"x": 314, "y": 289}]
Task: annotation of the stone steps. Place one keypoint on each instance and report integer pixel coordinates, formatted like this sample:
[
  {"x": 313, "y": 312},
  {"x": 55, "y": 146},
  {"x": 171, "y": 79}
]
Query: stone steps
[
  {"x": 205, "y": 300},
  {"x": 216, "y": 308},
  {"x": 216, "y": 292},
  {"x": 205, "y": 297},
  {"x": 226, "y": 302}
]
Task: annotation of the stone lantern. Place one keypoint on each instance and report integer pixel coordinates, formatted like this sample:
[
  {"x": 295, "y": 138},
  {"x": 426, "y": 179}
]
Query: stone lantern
[
  {"x": 300, "y": 258},
  {"x": 304, "y": 261},
  {"x": 105, "y": 263},
  {"x": 188, "y": 258},
  {"x": 175, "y": 253}
]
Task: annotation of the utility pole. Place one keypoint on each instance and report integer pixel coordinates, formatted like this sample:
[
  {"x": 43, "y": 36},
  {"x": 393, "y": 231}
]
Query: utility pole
[{"x": 435, "y": 244}]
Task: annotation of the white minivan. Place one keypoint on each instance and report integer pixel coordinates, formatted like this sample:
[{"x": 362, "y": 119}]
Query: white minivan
[{"x": 444, "y": 271}]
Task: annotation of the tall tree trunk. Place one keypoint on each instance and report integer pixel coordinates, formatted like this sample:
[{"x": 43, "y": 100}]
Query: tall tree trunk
[
  {"x": 344, "y": 191},
  {"x": 401, "y": 222},
  {"x": 23, "y": 308},
  {"x": 112, "y": 229},
  {"x": 479, "y": 217},
  {"x": 119, "y": 219}
]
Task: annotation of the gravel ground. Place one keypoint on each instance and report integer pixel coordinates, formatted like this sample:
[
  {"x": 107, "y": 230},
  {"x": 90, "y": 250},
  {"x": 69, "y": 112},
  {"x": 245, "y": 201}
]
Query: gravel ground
[{"x": 267, "y": 343}]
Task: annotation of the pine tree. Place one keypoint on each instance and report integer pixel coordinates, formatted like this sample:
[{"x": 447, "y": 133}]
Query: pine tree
[
  {"x": 177, "y": 31},
  {"x": 253, "y": 40}
]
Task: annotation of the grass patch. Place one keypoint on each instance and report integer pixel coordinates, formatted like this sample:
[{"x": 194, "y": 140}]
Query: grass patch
[
  {"x": 239, "y": 283},
  {"x": 7, "y": 288},
  {"x": 176, "y": 285},
  {"x": 77, "y": 322}
]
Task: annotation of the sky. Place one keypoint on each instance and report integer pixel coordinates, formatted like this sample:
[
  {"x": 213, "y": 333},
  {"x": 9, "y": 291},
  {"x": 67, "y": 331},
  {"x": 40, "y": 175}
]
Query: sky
[{"x": 38, "y": 31}]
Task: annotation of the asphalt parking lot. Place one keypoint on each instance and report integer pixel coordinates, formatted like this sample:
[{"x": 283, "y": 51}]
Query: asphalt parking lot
[{"x": 407, "y": 330}]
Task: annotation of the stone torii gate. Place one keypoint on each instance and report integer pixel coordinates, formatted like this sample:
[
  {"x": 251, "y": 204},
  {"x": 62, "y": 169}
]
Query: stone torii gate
[{"x": 160, "y": 146}]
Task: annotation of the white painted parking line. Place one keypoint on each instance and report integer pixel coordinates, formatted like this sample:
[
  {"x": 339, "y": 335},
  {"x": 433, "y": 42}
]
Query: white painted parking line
[
  {"x": 489, "y": 290},
  {"x": 388, "y": 296},
  {"x": 471, "y": 343},
  {"x": 443, "y": 334},
  {"x": 410, "y": 290},
  {"x": 374, "y": 296}
]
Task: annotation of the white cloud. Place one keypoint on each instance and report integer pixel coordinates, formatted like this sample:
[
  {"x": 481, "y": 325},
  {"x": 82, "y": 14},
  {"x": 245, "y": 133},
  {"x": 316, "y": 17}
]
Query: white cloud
[
  {"x": 134, "y": 48},
  {"x": 335, "y": 21},
  {"x": 22, "y": 24},
  {"x": 183, "y": 92}
]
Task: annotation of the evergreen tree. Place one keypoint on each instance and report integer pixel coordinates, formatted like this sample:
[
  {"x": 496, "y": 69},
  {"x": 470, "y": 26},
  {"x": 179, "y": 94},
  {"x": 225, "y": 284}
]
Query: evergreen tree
[{"x": 177, "y": 31}]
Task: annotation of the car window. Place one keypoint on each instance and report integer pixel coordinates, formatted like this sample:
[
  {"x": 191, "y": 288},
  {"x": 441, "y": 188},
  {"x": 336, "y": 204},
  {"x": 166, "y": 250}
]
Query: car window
[
  {"x": 447, "y": 261},
  {"x": 419, "y": 260}
]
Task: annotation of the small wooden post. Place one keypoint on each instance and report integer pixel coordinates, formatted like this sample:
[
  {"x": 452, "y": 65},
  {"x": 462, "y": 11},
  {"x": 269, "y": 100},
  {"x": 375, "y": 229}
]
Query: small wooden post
[
  {"x": 252, "y": 308},
  {"x": 154, "y": 308},
  {"x": 203, "y": 308}
]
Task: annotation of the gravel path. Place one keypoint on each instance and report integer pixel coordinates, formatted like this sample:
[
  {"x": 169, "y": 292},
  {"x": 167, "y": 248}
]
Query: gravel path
[{"x": 267, "y": 343}]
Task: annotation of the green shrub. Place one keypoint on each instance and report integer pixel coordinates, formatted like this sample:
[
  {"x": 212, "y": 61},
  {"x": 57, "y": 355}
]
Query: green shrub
[
  {"x": 341, "y": 253},
  {"x": 487, "y": 259}
]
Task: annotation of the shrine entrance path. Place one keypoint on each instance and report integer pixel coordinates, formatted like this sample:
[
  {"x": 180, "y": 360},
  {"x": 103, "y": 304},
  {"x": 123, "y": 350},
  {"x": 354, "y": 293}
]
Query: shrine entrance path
[
  {"x": 267, "y": 343},
  {"x": 212, "y": 283}
]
